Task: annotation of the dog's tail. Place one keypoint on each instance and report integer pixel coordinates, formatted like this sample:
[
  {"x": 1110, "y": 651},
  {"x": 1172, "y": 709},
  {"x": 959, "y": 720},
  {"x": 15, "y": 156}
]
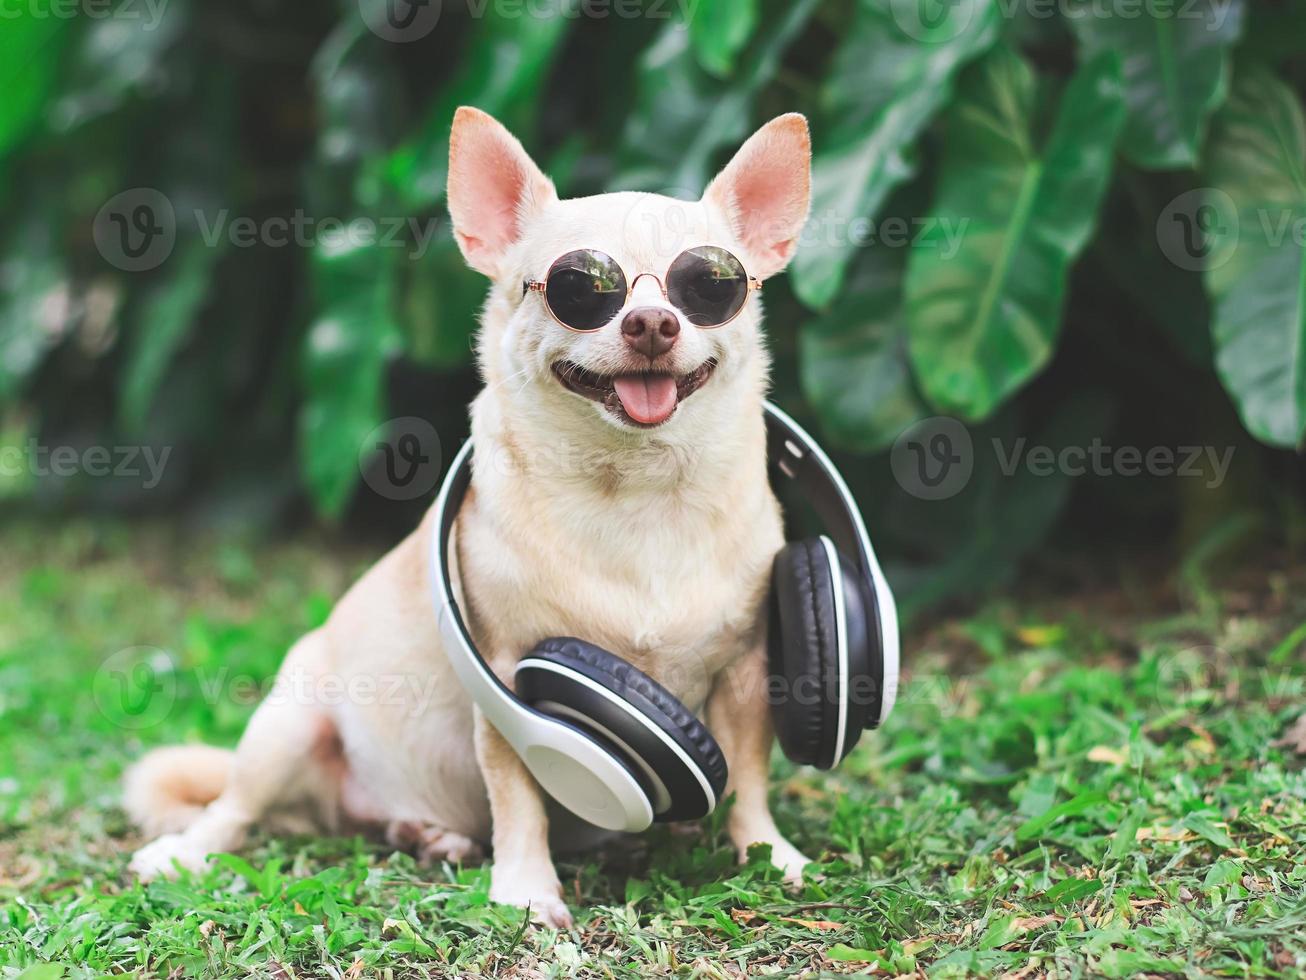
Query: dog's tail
[{"x": 170, "y": 787}]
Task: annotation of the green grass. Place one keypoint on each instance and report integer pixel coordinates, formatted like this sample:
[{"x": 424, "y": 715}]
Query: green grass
[{"x": 1081, "y": 791}]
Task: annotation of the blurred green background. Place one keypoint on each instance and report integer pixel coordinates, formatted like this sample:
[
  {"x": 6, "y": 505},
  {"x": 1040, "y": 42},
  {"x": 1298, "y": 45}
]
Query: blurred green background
[{"x": 1063, "y": 224}]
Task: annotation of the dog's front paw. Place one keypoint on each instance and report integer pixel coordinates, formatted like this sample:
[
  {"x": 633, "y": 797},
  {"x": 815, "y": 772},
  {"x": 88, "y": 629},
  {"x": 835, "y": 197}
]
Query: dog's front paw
[
  {"x": 784, "y": 856},
  {"x": 540, "y": 892},
  {"x": 789, "y": 859},
  {"x": 156, "y": 859}
]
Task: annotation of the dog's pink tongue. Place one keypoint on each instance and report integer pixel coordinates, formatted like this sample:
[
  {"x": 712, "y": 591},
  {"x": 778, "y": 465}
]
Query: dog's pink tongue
[{"x": 647, "y": 398}]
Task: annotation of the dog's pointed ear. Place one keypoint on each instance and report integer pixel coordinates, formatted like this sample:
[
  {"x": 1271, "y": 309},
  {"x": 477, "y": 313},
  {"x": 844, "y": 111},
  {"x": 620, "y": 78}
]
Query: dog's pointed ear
[
  {"x": 494, "y": 186},
  {"x": 766, "y": 191}
]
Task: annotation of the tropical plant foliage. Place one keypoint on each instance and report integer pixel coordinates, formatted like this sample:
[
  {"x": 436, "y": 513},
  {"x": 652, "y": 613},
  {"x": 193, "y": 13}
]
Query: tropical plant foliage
[{"x": 1053, "y": 221}]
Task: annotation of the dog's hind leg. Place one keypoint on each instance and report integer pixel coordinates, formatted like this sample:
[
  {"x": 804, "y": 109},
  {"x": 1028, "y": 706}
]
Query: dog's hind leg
[
  {"x": 288, "y": 755},
  {"x": 432, "y": 844}
]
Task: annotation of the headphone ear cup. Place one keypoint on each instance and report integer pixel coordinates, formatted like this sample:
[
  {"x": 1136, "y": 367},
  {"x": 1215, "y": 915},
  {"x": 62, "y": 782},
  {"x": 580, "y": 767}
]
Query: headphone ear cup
[
  {"x": 802, "y": 646},
  {"x": 672, "y": 753},
  {"x": 860, "y": 636}
]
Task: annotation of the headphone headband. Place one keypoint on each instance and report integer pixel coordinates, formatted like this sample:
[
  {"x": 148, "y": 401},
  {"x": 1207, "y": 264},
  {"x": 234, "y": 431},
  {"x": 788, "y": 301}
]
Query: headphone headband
[
  {"x": 486, "y": 689},
  {"x": 797, "y": 457}
]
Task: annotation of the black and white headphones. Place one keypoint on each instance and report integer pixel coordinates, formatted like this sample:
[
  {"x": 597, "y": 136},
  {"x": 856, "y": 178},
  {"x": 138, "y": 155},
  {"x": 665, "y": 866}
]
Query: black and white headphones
[{"x": 620, "y": 751}]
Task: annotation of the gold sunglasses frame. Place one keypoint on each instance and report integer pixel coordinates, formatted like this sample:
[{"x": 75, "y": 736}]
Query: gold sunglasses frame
[{"x": 540, "y": 285}]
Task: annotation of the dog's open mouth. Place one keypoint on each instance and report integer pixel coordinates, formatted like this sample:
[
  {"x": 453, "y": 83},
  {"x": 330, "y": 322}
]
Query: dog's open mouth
[{"x": 644, "y": 399}]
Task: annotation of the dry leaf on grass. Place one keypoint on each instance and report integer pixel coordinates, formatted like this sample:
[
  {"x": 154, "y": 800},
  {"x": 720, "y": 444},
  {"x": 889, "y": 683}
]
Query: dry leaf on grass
[
  {"x": 1105, "y": 753},
  {"x": 745, "y": 917},
  {"x": 1294, "y": 739},
  {"x": 821, "y": 925},
  {"x": 1165, "y": 834}
]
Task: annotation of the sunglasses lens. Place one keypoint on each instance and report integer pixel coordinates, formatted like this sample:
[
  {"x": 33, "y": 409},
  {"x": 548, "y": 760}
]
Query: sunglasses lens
[
  {"x": 708, "y": 285},
  {"x": 585, "y": 289}
]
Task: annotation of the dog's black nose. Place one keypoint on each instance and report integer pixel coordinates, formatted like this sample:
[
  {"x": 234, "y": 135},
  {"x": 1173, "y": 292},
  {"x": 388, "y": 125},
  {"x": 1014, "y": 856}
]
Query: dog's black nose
[{"x": 650, "y": 330}]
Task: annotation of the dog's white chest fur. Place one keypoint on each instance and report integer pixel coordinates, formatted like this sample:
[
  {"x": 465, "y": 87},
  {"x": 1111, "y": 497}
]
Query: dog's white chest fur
[{"x": 663, "y": 562}]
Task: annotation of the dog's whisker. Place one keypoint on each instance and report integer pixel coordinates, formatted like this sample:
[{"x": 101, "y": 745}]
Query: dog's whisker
[
  {"x": 522, "y": 387},
  {"x": 512, "y": 377}
]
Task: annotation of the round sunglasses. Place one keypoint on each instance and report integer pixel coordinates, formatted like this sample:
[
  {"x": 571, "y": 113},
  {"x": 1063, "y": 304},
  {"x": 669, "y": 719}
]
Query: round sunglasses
[{"x": 586, "y": 288}]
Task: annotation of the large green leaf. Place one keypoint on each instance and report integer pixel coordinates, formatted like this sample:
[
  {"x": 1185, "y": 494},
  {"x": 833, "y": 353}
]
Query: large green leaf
[
  {"x": 30, "y": 46},
  {"x": 718, "y": 30},
  {"x": 853, "y": 359},
  {"x": 359, "y": 98},
  {"x": 983, "y": 321},
  {"x": 892, "y": 73},
  {"x": 682, "y": 116},
  {"x": 116, "y": 59},
  {"x": 1273, "y": 33},
  {"x": 1175, "y": 59},
  {"x": 345, "y": 355},
  {"x": 35, "y": 293},
  {"x": 353, "y": 333},
  {"x": 168, "y": 312},
  {"x": 502, "y": 71},
  {"x": 441, "y": 300},
  {"x": 1257, "y": 278}
]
